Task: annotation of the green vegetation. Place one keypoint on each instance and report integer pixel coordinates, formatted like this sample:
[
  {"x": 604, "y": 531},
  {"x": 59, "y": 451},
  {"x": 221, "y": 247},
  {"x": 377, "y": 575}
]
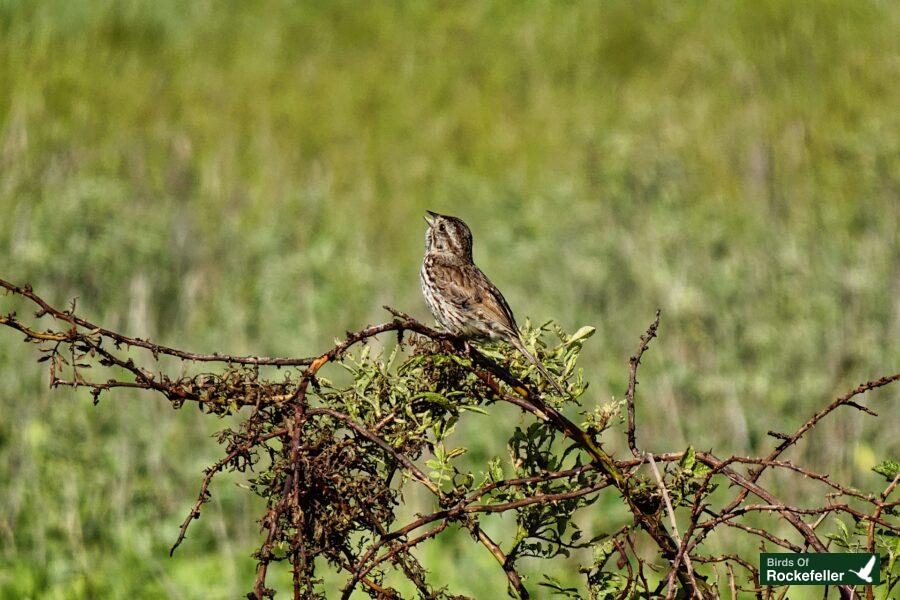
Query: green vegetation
[{"x": 250, "y": 178}]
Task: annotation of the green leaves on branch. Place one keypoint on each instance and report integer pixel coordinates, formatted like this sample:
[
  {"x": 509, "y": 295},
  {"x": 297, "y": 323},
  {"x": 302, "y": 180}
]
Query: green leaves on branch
[{"x": 889, "y": 469}]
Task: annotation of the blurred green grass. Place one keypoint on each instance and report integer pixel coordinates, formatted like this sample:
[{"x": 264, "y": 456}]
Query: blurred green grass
[{"x": 250, "y": 178}]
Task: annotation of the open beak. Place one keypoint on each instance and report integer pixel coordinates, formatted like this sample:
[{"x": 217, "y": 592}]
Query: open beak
[{"x": 431, "y": 217}]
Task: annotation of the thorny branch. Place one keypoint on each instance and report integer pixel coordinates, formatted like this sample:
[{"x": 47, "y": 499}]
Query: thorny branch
[{"x": 332, "y": 461}]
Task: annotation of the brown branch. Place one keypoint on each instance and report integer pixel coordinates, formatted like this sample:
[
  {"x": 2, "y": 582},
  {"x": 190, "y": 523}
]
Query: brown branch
[
  {"x": 790, "y": 440},
  {"x": 633, "y": 363},
  {"x": 765, "y": 535},
  {"x": 397, "y": 325},
  {"x": 283, "y": 411},
  {"x": 870, "y": 532},
  {"x": 515, "y": 580},
  {"x": 454, "y": 513},
  {"x": 48, "y": 336},
  {"x": 734, "y": 558},
  {"x": 402, "y": 459},
  {"x": 845, "y": 490},
  {"x": 208, "y": 475},
  {"x": 358, "y": 575},
  {"x": 627, "y": 563},
  {"x": 640, "y": 562},
  {"x": 687, "y": 559}
]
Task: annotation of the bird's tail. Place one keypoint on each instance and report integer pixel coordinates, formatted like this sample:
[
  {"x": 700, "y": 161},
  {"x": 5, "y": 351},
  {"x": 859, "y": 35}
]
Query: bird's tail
[{"x": 517, "y": 343}]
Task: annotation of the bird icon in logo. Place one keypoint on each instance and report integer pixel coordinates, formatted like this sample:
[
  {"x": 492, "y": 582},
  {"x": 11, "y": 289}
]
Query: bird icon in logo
[{"x": 866, "y": 572}]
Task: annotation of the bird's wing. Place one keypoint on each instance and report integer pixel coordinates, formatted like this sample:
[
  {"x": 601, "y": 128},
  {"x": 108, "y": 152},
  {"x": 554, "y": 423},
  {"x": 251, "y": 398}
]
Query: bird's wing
[
  {"x": 868, "y": 568},
  {"x": 467, "y": 286},
  {"x": 494, "y": 303}
]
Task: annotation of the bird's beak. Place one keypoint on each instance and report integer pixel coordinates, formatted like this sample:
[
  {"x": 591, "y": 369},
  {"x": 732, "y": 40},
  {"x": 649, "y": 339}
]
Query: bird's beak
[{"x": 431, "y": 217}]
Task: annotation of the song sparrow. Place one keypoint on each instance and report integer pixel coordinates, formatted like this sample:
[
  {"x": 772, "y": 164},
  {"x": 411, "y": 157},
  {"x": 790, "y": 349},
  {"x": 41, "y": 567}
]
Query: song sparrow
[{"x": 460, "y": 296}]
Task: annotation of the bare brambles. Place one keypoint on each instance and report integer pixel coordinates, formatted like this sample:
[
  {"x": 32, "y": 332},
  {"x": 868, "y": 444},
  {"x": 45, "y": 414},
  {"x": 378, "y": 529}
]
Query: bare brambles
[{"x": 334, "y": 457}]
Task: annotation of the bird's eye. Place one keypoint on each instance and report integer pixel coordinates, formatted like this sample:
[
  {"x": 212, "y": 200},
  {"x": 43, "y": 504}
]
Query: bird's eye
[{"x": 441, "y": 227}]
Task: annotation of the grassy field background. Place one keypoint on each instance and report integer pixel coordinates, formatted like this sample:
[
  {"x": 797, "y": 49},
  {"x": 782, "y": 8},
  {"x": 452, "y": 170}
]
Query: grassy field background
[{"x": 250, "y": 178}]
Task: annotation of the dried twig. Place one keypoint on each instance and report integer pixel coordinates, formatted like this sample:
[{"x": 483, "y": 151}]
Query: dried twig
[{"x": 329, "y": 469}]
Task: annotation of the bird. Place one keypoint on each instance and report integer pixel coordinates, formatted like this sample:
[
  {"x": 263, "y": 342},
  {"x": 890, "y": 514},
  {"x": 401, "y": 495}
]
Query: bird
[
  {"x": 460, "y": 295},
  {"x": 866, "y": 572}
]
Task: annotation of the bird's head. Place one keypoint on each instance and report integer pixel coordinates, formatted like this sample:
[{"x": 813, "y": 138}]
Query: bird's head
[{"x": 448, "y": 235}]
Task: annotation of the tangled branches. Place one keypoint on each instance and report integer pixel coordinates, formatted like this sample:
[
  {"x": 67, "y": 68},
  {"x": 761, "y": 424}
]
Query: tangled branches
[{"x": 333, "y": 459}]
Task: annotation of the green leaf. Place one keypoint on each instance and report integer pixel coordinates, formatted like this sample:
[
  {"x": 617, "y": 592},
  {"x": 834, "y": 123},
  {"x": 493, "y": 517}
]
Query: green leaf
[
  {"x": 582, "y": 334},
  {"x": 495, "y": 469},
  {"x": 438, "y": 399},
  {"x": 559, "y": 589},
  {"x": 887, "y": 468},
  {"x": 689, "y": 459},
  {"x": 457, "y": 452},
  {"x": 492, "y": 353}
]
